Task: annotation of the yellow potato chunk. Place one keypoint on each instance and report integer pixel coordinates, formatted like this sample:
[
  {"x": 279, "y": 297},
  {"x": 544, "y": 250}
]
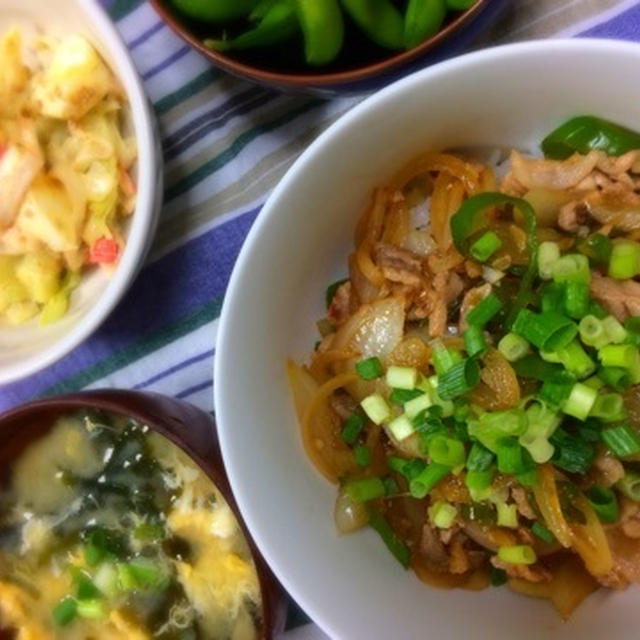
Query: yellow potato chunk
[
  {"x": 11, "y": 289},
  {"x": 75, "y": 82},
  {"x": 40, "y": 272}
]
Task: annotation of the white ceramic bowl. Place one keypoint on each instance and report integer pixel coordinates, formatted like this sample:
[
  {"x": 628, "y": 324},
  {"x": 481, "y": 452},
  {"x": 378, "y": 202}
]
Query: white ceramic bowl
[
  {"x": 29, "y": 348},
  {"x": 351, "y": 586}
]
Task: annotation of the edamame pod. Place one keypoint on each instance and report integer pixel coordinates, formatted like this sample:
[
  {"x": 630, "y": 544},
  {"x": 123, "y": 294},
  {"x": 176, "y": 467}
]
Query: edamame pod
[
  {"x": 279, "y": 24},
  {"x": 460, "y": 5},
  {"x": 214, "y": 10},
  {"x": 323, "y": 29},
  {"x": 422, "y": 20},
  {"x": 379, "y": 20}
]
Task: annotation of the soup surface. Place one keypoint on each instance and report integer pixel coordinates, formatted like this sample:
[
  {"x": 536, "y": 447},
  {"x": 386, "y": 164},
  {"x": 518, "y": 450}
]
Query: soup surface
[{"x": 108, "y": 530}]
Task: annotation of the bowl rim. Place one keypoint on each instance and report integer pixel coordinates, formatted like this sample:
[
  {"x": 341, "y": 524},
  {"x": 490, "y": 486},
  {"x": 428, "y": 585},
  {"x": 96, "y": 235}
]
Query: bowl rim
[
  {"x": 225, "y": 357},
  {"x": 144, "y": 218},
  {"x": 143, "y": 406},
  {"x": 300, "y": 80}
]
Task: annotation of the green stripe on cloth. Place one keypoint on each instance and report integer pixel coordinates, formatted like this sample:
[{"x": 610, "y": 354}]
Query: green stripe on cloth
[
  {"x": 218, "y": 161},
  {"x": 149, "y": 343},
  {"x": 199, "y": 83},
  {"x": 120, "y": 8}
]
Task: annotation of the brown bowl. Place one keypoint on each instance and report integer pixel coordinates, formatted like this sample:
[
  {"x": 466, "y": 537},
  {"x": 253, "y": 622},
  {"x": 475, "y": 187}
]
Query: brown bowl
[
  {"x": 191, "y": 429},
  {"x": 351, "y": 79}
]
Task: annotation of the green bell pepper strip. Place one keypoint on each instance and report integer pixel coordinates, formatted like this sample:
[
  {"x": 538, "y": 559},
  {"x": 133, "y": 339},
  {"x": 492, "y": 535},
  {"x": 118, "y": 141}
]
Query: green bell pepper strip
[
  {"x": 460, "y": 5},
  {"x": 323, "y": 29},
  {"x": 379, "y": 20},
  {"x": 278, "y": 25},
  {"x": 217, "y": 11},
  {"x": 470, "y": 218},
  {"x": 422, "y": 20},
  {"x": 586, "y": 133}
]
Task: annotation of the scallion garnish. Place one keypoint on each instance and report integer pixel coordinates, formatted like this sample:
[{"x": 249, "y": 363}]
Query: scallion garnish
[
  {"x": 369, "y": 369},
  {"x": 513, "y": 347},
  {"x": 548, "y": 254},
  {"x": 402, "y": 377},
  {"x": 609, "y": 407},
  {"x": 485, "y": 246},
  {"x": 400, "y": 397},
  {"x": 604, "y": 503},
  {"x": 580, "y": 401},
  {"x": 65, "y": 611},
  {"x": 542, "y": 532},
  {"x": 616, "y": 377},
  {"x": 364, "y": 489},
  {"x": 625, "y": 260},
  {"x": 479, "y": 458},
  {"x": 509, "y": 455},
  {"x": 399, "y": 549},
  {"x": 484, "y": 311},
  {"x": 428, "y": 479},
  {"x": 629, "y": 485},
  {"x": 442, "y": 514},
  {"x": 446, "y": 451},
  {"x": 621, "y": 440},
  {"x": 376, "y": 408},
  {"x": 507, "y": 515},
  {"x": 517, "y": 554},
  {"x": 362, "y": 455},
  {"x": 548, "y": 331},
  {"x": 573, "y": 267},
  {"x": 576, "y": 299},
  {"x": 459, "y": 379},
  {"x": 351, "y": 428},
  {"x": 474, "y": 341},
  {"x": 572, "y": 453}
]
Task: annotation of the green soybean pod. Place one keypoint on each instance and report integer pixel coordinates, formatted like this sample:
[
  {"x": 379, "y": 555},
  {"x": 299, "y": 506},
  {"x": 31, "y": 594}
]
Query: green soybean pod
[
  {"x": 460, "y": 5},
  {"x": 322, "y": 28},
  {"x": 379, "y": 20},
  {"x": 422, "y": 20},
  {"x": 217, "y": 11}
]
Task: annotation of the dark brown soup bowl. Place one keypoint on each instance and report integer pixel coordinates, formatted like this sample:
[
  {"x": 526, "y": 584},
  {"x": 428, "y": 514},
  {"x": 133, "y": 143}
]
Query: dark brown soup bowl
[{"x": 188, "y": 427}]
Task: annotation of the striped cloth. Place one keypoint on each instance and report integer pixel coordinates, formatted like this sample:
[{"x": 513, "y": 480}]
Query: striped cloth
[{"x": 226, "y": 144}]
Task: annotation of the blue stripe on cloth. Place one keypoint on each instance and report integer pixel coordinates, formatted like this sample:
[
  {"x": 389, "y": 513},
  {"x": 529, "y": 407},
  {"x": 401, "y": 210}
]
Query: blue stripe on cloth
[
  {"x": 145, "y": 35},
  {"x": 167, "y": 62},
  {"x": 624, "y": 26},
  {"x": 191, "y": 390},
  {"x": 165, "y": 291},
  {"x": 176, "y": 367},
  {"x": 216, "y": 118}
]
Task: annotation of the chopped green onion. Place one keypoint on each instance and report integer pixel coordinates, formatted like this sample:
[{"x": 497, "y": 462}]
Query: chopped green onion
[
  {"x": 474, "y": 342},
  {"x": 513, "y": 347},
  {"x": 442, "y": 514},
  {"x": 509, "y": 455},
  {"x": 401, "y": 427},
  {"x": 625, "y": 260},
  {"x": 459, "y": 379},
  {"x": 592, "y": 332},
  {"x": 632, "y": 327},
  {"x": 572, "y": 453},
  {"x": 576, "y": 299},
  {"x": 149, "y": 531},
  {"x": 399, "y": 549},
  {"x": 485, "y": 246},
  {"x": 527, "y": 478},
  {"x": 594, "y": 382},
  {"x": 484, "y": 311},
  {"x": 580, "y": 401},
  {"x": 446, "y": 406},
  {"x": 400, "y": 397},
  {"x": 446, "y": 451},
  {"x": 376, "y": 408},
  {"x": 331, "y": 291},
  {"x": 517, "y": 554},
  {"x": 351, "y": 428},
  {"x": 420, "y": 486},
  {"x": 597, "y": 247},
  {"x": 141, "y": 573},
  {"x": 85, "y": 589},
  {"x": 479, "y": 480},
  {"x": 442, "y": 358},
  {"x": 402, "y": 377},
  {"x": 410, "y": 469},
  {"x": 507, "y": 515},
  {"x": 618, "y": 355},
  {"x": 556, "y": 389},
  {"x": 362, "y": 455},
  {"x": 609, "y": 407},
  {"x": 597, "y": 310},
  {"x": 390, "y": 486},
  {"x": 539, "y": 448},
  {"x": 497, "y": 577},
  {"x": 369, "y": 369},
  {"x": 629, "y": 485},
  {"x": 604, "y": 503},
  {"x": 106, "y": 579},
  {"x": 364, "y": 489},
  {"x": 542, "y": 532},
  {"x": 614, "y": 330},
  {"x": 621, "y": 440},
  {"x": 552, "y": 297},
  {"x": 574, "y": 267},
  {"x": 491, "y": 427},
  {"x": 575, "y": 360},
  {"x": 548, "y": 331},
  {"x": 548, "y": 254},
  {"x": 479, "y": 458},
  {"x": 65, "y": 611},
  {"x": 533, "y": 366},
  {"x": 616, "y": 377},
  {"x": 417, "y": 405},
  {"x": 92, "y": 609}
]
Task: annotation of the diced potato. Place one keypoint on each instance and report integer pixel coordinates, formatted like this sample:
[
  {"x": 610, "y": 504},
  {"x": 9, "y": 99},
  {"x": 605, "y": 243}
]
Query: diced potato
[
  {"x": 15, "y": 75},
  {"x": 21, "y": 312},
  {"x": 47, "y": 214},
  {"x": 40, "y": 272},
  {"x": 75, "y": 82},
  {"x": 11, "y": 289}
]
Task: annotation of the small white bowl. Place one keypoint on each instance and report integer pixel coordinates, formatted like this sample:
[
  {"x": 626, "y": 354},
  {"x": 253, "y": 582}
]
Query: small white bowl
[
  {"x": 351, "y": 586},
  {"x": 29, "y": 348}
]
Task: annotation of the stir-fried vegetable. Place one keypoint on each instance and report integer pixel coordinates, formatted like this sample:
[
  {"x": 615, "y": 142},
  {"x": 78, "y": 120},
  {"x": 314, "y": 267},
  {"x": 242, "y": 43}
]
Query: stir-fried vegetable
[{"x": 514, "y": 437}]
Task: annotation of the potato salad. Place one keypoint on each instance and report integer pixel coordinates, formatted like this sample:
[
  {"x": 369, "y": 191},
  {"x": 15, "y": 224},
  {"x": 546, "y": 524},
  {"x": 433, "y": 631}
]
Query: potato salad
[{"x": 66, "y": 187}]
